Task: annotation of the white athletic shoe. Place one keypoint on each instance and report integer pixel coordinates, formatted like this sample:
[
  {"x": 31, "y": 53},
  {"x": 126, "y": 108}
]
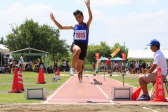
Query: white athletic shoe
[
  {"x": 80, "y": 81},
  {"x": 71, "y": 71}
]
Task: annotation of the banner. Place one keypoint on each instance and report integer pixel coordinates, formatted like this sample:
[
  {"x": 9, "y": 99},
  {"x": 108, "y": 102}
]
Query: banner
[
  {"x": 97, "y": 56},
  {"x": 115, "y": 52},
  {"x": 124, "y": 56}
]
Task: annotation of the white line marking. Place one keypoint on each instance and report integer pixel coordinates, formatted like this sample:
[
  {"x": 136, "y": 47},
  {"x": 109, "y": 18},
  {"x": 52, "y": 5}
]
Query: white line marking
[
  {"x": 78, "y": 99},
  {"x": 57, "y": 91},
  {"x": 103, "y": 92},
  {"x": 149, "y": 109}
]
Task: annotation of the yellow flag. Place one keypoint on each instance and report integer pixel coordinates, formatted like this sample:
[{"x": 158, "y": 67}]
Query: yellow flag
[{"x": 115, "y": 52}]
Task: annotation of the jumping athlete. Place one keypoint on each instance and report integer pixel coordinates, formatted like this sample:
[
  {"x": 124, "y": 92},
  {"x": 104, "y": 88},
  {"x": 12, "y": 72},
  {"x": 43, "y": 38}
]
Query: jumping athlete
[{"x": 81, "y": 37}]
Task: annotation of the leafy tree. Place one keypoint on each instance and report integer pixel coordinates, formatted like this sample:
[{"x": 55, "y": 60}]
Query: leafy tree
[
  {"x": 43, "y": 37},
  {"x": 103, "y": 49}
]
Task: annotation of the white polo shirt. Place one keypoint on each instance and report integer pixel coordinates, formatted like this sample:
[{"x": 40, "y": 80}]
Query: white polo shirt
[
  {"x": 21, "y": 60},
  {"x": 160, "y": 60}
]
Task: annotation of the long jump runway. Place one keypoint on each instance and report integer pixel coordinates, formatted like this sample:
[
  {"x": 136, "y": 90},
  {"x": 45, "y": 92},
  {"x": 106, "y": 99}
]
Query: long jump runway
[{"x": 73, "y": 92}]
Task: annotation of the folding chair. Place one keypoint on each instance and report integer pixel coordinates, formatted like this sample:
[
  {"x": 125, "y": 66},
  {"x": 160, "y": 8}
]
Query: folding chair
[{"x": 165, "y": 82}]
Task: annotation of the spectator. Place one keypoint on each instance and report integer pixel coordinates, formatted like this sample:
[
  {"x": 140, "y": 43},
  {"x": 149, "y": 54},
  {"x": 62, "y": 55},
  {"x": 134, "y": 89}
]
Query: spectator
[
  {"x": 116, "y": 67},
  {"x": 137, "y": 66},
  {"x": 93, "y": 66},
  {"x": 102, "y": 66},
  {"x": 144, "y": 65},
  {"x": 148, "y": 64},
  {"x": 22, "y": 62},
  {"x": 108, "y": 63},
  {"x": 64, "y": 65},
  {"x": 55, "y": 65}
]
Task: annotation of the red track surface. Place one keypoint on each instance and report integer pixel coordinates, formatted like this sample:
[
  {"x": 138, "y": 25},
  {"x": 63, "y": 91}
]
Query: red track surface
[{"x": 73, "y": 92}]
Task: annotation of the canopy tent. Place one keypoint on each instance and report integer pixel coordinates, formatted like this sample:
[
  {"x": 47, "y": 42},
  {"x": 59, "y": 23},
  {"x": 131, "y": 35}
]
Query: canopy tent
[
  {"x": 117, "y": 59},
  {"x": 3, "y": 49},
  {"x": 104, "y": 59},
  {"x": 143, "y": 54},
  {"x": 31, "y": 52}
]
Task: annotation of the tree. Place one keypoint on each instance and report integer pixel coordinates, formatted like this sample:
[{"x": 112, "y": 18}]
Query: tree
[
  {"x": 103, "y": 49},
  {"x": 43, "y": 37}
]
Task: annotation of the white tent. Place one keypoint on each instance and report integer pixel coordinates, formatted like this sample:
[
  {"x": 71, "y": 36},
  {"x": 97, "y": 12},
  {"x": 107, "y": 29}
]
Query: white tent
[
  {"x": 3, "y": 49},
  {"x": 143, "y": 54}
]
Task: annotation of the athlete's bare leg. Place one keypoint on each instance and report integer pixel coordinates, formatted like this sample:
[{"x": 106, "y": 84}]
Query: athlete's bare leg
[{"x": 76, "y": 51}]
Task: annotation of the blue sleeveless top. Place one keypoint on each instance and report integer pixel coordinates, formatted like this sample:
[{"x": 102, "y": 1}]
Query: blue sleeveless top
[{"x": 81, "y": 33}]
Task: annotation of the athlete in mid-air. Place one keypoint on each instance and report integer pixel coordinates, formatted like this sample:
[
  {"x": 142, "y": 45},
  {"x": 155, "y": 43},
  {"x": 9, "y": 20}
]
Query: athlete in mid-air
[{"x": 81, "y": 37}]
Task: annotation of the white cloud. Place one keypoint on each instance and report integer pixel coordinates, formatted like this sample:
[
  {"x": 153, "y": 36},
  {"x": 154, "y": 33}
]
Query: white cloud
[
  {"x": 17, "y": 13},
  {"x": 134, "y": 27},
  {"x": 109, "y": 2},
  {"x": 119, "y": 28},
  {"x": 153, "y": 2}
]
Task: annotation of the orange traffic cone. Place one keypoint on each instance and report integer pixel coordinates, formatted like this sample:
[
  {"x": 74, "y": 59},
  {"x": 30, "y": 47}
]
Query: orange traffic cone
[
  {"x": 20, "y": 79},
  {"x": 41, "y": 76},
  {"x": 58, "y": 74},
  {"x": 159, "y": 91},
  {"x": 135, "y": 95},
  {"x": 15, "y": 86}
]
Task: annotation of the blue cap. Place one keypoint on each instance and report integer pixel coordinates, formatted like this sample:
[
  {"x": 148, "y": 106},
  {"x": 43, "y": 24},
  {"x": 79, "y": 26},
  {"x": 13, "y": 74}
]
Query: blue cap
[{"x": 154, "y": 42}]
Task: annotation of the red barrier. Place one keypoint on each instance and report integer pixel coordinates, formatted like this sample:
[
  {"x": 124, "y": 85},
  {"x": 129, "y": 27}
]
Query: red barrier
[
  {"x": 159, "y": 91},
  {"x": 15, "y": 86},
  {"x": 41, "y": 76},
  {"x": 20, "y": 79}
]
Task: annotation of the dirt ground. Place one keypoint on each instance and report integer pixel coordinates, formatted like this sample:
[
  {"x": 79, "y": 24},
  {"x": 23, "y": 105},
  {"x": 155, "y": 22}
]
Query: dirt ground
[{"x": 82, "y": 108}]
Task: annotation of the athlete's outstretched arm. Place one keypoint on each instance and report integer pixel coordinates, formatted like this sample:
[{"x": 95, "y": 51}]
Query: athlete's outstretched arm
[
  {"x": 59, "y": 25},
  {"x": 87, "y": 2}
]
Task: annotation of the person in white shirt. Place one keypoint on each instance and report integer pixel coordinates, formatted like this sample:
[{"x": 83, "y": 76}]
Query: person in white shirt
[
  {"x": 21, "y": 61},
  {"x": 64, "y": 65},
  {"x": 159, "y": 61},
  {"x": 137, "y": 66}
]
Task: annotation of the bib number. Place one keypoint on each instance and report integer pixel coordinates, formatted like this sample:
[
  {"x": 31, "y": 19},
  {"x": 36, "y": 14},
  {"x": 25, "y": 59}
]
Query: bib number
[{"x": 80, "y": 34}]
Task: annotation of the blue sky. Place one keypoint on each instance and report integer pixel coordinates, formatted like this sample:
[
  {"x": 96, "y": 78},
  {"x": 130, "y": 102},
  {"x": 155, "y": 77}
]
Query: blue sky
[{"x": 134, "y": 22}]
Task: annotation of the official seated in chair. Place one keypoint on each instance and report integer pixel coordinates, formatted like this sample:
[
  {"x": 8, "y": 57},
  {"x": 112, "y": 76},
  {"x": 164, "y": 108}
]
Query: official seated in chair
[{"x": 159, "y": 61}]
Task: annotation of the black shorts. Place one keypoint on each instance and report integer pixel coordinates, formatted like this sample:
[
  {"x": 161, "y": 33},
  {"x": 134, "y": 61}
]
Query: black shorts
[{"x": 83, "y": 48}]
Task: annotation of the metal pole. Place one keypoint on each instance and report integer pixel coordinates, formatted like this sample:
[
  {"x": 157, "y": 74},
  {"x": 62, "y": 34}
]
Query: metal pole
[
  {"x": 123, "y": 79},
  {"x": 104, "y": 75},
  {"x": 1, "y": 58},
  {"x": 124, "y": 47}
]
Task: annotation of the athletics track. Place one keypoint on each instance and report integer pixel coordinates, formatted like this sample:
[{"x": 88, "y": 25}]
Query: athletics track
[{"x": 73, "y": 92}]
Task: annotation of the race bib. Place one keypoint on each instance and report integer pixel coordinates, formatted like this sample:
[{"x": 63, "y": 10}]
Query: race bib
[{"x": 80, "y": 34}]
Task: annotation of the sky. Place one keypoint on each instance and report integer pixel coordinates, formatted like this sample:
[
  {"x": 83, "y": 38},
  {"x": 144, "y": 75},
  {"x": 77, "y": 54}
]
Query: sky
[{"x": 133, "y": 22}]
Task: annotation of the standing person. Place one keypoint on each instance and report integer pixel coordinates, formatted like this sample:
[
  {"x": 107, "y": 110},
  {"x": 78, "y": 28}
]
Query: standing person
[
  {"x": 159, "y": 61},
  {"x": 108, "y": 63},
  {"x": 93, "y": 66},
  {"x": 64, "y": 65},
  {"x": 140, "y": 66},
  {"x": 55, "y": 65},
  {"x": 103, "y": 67},
  {"x": 148, "y": 64},
  {"x": 30, "y": 65},
  {"x": 81, "y": 37},
  {"x": 137, "y": 66},
  {"x": 21, "y": 61}
]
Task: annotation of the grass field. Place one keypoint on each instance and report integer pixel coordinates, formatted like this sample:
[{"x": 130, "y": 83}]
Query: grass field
[{"x": 30, "y": 78}]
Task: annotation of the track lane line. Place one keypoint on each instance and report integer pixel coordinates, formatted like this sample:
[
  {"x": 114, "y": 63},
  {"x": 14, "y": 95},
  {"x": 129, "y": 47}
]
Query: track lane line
[
  {"x": 103, "y": 93},
  {"x": 57, "y": 91}
]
